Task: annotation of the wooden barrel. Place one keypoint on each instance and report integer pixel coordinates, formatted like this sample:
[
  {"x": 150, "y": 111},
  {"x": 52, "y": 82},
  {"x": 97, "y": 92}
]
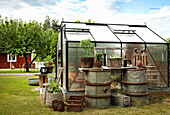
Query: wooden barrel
[
  {"x": 97, "y": 88},
  {"x": 136, "y": 86},
  {"x": 50, "y": 97}
]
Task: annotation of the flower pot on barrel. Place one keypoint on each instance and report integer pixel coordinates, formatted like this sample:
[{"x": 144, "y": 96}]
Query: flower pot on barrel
[
  {"x": 98, "y": 62},
  {"x": 87, "y": 45},
  {"x": 115, "y": 61}
]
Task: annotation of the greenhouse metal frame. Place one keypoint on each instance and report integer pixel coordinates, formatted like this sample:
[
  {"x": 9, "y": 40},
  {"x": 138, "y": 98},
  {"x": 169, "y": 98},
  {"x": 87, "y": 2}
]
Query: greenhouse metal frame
[{"x": 126, "y": 37}]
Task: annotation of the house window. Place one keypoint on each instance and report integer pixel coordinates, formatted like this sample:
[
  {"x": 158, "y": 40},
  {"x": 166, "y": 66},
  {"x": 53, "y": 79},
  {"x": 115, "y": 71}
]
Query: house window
[{"x": 11, "y": 58}]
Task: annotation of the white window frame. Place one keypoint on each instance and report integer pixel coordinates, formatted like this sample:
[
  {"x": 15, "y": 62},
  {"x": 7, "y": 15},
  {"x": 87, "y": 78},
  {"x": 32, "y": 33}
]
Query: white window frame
[{"x": 9, "y": 60}]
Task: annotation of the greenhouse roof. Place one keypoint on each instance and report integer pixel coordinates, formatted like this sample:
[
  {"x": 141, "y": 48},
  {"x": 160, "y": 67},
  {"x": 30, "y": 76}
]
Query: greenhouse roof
[{"x": 111, "y": 33}]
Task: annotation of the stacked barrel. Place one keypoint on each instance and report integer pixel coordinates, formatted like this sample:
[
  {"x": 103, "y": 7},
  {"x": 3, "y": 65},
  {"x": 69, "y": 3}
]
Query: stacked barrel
[
  {"x": 97, "y": 88},
  {"x": 136, "y": 86}
]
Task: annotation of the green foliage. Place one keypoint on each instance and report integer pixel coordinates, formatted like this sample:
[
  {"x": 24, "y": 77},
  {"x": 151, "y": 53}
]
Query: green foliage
[
  {"x": 115, "y": 56},
  {"x": 86, "y": 45},
  {"x": 54, "y": 87},
  {"x": 168, "y": 40},
  {"x": 99, "y": 56},
  {"x": 89, "y": 21},
  {"x": 78, "y": 21},
  {"x": 20, "y": 38},
  {"x": 50, "y": 55}
]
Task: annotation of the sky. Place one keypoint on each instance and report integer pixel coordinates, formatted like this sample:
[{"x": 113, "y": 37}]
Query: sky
[{"x": 154, "y": 13}]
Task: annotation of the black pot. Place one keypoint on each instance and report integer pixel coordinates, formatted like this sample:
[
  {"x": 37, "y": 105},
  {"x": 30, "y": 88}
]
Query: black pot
[{"x": 44, "y": 70}]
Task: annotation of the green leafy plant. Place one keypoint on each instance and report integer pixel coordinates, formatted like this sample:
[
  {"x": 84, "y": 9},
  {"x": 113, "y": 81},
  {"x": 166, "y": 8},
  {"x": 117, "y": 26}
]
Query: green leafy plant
[
  {"x": 99, "y": 56},
  {"x": 115, "y": 56},
  {"x": 78, "y": 21},
  {"x": 54, "y": 87},
  {"x": 87, "y": 45}
]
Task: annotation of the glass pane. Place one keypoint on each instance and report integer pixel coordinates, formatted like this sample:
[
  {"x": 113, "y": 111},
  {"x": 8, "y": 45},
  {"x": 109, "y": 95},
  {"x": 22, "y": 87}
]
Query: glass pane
[
  {"x": 128, "y": 37},
  {"x": 75, "y": 79},
  {"x": 78, "y": 36},
  {"x": 102, "y": 33},
  {"x": 119, "y": 27},
  {"x": 147, "y": 35},
  {"x": 110, "y": 51},
  {"x": 158, "y": 58},
  {"x": 76, "y": 26},
  {"x": 129, "y": 52}
]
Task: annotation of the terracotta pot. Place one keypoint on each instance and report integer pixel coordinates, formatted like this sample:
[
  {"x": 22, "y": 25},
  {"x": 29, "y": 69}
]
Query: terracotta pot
[
  {"x": 87, "y": 62},
  {"x": 60, "y": 106},
  {"x": 139, "y": 64},
  {"x": 54, "y": 104},
  {"x": 97, "y": 64}
]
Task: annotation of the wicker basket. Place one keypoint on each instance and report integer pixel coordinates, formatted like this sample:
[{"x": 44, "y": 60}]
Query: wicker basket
[{"x": 115, "y": 62}]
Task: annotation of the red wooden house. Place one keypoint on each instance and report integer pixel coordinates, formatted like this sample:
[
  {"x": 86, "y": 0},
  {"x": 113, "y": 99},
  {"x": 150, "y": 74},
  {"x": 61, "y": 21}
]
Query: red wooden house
[{"x": 6, "y": 61}]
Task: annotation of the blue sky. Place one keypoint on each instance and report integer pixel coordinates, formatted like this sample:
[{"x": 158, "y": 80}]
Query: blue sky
[
  {"x": 155, "y": 13},
  {"x": 143, "y": 6}
]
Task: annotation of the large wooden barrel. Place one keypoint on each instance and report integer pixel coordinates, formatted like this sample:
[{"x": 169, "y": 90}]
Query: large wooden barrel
[
  {"x": 136, "y": 86},
  {"x": 97, "y": 88}
]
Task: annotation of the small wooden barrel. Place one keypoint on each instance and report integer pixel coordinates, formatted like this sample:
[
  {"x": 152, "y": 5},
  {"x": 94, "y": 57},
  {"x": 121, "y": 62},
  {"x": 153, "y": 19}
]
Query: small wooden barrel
[
  {"x": 97, "y": 88},
  {"x": 136, "y": 86}
]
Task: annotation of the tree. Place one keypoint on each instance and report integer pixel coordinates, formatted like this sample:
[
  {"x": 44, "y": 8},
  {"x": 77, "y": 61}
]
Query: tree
[
  {"x": 51, "y": 54},
  {"x": 20, "y": 38}
]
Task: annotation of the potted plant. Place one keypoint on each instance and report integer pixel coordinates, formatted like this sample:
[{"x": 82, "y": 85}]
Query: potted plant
[
  {"x": 54, "y": 92},
  {"x": 98, "y": 62},
  {"x": 115, "y": 61},
  {"x": 87, "y": 45}
]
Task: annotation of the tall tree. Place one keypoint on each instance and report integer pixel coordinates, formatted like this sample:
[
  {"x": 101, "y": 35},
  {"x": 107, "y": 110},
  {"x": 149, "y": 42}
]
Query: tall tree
[
  {"x": 21, "y": 38},
  {"x": 49, "y": 25}
]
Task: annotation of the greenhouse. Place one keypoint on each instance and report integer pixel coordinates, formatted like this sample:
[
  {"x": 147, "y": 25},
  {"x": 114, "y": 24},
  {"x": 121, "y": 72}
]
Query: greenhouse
[{"x": 121, "y": 40}]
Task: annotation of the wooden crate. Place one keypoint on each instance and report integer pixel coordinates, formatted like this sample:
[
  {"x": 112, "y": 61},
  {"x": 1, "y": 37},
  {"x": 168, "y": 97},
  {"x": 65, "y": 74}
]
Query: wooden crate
[{"x": 75, "y": 103}]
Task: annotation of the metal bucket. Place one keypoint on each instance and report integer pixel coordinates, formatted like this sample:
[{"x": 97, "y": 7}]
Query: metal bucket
[
  {"x": 97, "y": 89},
  {"x": 135, "y": 84}
]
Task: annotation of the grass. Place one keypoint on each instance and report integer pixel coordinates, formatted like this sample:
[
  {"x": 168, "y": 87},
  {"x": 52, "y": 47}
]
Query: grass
[
  {"x": 17, "y": 98},
  {"x": 18, "y": 71}
]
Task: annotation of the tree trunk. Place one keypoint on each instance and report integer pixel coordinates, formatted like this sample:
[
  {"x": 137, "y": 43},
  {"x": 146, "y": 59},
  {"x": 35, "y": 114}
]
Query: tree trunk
[
  {"x": 33, "y": 60},
  {"x": 26, "y": 59}
]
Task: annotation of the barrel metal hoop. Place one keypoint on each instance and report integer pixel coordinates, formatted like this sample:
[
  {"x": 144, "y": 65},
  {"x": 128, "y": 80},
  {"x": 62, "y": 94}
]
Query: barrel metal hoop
[
  {"x": 92, "y": 96},
  {"x": 135, "y": 83},
  {"x": 98, "y": 84},
  {"x": 134, "y": 94}
]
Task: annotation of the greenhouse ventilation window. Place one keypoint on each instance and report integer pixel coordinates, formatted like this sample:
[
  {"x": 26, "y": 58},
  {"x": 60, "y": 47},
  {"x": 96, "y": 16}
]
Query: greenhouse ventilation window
[
  {"x": 78, "y": 36},
  {"x": 102, "y": 33},
  {"x": 127, "y": 37}
]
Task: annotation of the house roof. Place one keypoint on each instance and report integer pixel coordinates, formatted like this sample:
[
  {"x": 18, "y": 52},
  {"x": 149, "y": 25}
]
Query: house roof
[{"x": 119, "y": 33}]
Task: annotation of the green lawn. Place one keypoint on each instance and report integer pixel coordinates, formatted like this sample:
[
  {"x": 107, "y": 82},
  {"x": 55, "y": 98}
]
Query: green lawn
[
  {"x": 18, "y": 71},
  {"x": 17, "y": 98}
]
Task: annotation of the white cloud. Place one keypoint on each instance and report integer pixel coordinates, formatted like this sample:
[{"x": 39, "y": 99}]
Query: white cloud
[{"x": 102, "y": 11}]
